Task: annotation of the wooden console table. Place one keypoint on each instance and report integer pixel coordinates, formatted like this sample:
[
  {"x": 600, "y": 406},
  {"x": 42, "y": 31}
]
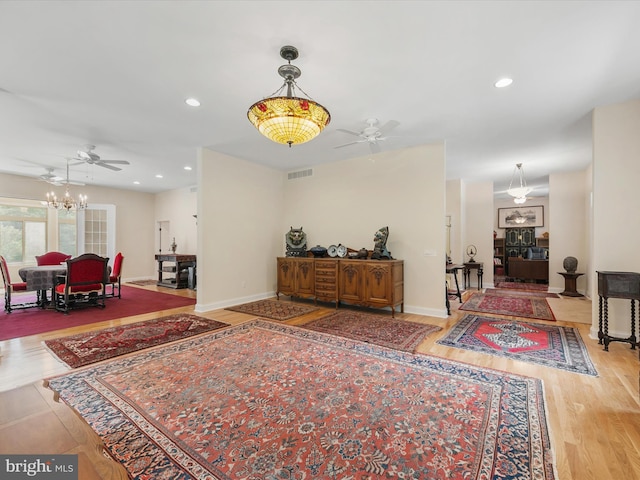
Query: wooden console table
[
  {"x": 180, "y": 273},
  {"x": 624, "y": 285}
]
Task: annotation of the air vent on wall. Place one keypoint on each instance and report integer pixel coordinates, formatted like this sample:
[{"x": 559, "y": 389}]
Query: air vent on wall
[{"x": 300, "y": 174}]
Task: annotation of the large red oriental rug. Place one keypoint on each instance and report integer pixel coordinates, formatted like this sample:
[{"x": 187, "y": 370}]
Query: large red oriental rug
[
  {"x": 514, "y": 305},
  {"x": 378, "y": 329},
  {"x": 134, "y": 301},
  {"x": 542, "y": 344},
  {"x": 91, "y": 347},
  {"x": 266, "y": 400}
]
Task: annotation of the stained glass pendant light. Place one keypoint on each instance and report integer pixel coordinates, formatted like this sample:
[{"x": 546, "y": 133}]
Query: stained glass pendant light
[{"x": 288, "y": 119}]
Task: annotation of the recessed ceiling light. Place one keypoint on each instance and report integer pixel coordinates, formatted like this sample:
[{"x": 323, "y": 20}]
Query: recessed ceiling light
[
  {"x": 503, "y": 82},
  {"x": 136, "y": 182},
  {"x": 187, "y": 167},
  {"x": 192, "y": 102},
  {"x": 158, "y": 176}
]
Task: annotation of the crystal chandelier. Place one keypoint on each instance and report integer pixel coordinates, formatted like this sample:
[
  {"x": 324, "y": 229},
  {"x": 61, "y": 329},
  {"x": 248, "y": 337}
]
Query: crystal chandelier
[
  {"x": 519, "y": 193},
  {"x": 288, "y": 119},
  {"x": 67, "y": 202}
]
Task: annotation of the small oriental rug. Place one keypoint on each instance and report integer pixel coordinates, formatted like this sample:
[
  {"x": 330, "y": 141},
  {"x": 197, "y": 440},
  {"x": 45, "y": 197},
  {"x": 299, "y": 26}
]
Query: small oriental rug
[
  {"x": 91, "y": 347},
  {"x": 523, "y": 286},
  {"x": 273, "y": 309},
  {"x": 198, "y": 408},
  {"x": 526, "y": 293},
  {"x": 143, "y": 283},
  {"x": 548, "y": 345},
  {"x": 513, "y": 305},
  {"x": 378, "y": 329}
]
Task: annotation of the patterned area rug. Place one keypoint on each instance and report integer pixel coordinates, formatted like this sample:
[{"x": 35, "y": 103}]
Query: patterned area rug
[
  {"x": 268, "y": 400},
  {"x": 378, "y": 329},
  {"x": 523, "y": 286},
  {"x": 527, "y": 293},
  {"x": 514, "y": 305},
  {"x": 274, "y": 309},
  {"x": 548, "y": 345},
  {"x": 91, "y": 347}
]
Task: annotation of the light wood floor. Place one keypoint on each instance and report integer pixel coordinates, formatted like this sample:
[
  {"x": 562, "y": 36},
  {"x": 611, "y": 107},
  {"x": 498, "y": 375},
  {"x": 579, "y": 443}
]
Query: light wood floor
[{"x": 594, "y": 421}]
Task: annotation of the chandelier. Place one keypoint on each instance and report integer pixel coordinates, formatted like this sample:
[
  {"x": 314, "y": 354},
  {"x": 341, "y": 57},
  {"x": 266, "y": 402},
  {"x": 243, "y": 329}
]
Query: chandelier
[
  {"x": 67, "y": 202},
  {"x": 519, "y": 193},
  {"x": 288, "y": 119}
]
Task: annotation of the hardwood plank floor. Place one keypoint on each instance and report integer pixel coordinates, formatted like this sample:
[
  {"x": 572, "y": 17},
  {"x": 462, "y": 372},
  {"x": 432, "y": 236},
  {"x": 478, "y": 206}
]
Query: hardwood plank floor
[{"x": 594, "y": 421}]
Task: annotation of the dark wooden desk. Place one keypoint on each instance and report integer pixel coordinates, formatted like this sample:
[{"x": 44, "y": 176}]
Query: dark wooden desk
[
  {"x": 468, "y": 266},
  {"x": 570, "y": 280},
  {"x": 179, "y": 274},
  {"x": 453, "y": 270},
  {"x": 525, "y": 269},
  {"x": 624, "y": 285}
]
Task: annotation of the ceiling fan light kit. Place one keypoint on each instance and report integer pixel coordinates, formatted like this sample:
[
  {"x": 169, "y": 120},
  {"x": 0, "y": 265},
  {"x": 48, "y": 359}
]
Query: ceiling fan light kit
[{"x": 288, "y": 119}]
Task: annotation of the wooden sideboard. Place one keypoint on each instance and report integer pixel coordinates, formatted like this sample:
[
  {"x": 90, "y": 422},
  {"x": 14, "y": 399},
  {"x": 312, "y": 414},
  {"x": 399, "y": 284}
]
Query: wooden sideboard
[
  {"x": 528, "y": 269},
  {"x": 176, "y": 270},
  {"x": 368, "y": 283}
]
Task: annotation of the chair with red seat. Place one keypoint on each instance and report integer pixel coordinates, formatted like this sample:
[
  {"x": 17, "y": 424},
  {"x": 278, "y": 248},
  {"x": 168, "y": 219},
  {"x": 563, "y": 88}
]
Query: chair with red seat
[
  {"x": 52, "y": 258},
  {"x": 85, "y": 283},
  {"x": 10, "y": 288},
  {"x": 114, "y": 277}
]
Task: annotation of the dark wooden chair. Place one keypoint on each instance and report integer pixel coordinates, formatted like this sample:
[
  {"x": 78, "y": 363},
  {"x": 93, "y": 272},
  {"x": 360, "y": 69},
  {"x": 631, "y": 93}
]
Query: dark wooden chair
[
  {"x": 52, "y": 258},
  {"x": 114, "y": 276},
  {"x": 85, "y": 283},
  {"x": 10, "y": 288}
]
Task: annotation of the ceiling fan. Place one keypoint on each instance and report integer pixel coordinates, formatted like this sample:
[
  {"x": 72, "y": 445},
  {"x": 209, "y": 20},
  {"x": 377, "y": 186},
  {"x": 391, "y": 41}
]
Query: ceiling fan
[
  {"x": 90, "y": 157},
  {"x": 371, "y": 134},
  {"x": 57, "y": 180}
]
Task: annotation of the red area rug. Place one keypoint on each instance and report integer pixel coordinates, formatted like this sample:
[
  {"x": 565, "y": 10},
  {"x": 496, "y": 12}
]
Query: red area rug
[
  {"x": 273, "y": 309},
  {"x": 378, "y": 329},
  {"x": 268, "y": 400},
  {"x": 134, "y": 301},
  {"x": 91, "y": 347},
  {"x": 523, "y": 286},
  {"x": 513, "y": 305},
  {"x": 548, "y": 345}
]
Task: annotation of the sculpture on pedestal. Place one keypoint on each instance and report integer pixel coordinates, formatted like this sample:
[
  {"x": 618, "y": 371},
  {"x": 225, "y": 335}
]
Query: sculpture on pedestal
[
  {"x": 296, "y": 241},
  {"x": 380, "y": 245}
]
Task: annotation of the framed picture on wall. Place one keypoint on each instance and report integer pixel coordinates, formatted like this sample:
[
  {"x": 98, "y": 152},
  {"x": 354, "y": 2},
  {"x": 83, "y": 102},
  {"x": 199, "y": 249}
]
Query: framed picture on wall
[{"x": 524, "y": 216}]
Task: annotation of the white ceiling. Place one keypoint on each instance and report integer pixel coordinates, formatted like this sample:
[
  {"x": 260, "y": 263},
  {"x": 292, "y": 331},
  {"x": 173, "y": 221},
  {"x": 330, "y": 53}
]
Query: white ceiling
[{"x": 116, "y": 74}]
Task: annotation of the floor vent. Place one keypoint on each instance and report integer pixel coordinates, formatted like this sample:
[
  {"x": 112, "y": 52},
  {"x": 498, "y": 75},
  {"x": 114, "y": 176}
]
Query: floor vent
[{"x": 300, "y": 174}]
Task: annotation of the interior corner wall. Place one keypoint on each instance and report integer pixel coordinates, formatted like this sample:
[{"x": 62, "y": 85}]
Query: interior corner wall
[
  {"x": 570, "y": 232},
  {"x": 239, "y": 230},
  {"x": 616, "y": 176},
  {"x": 478, "y": 215},
  {"x": 347, "y": 202},
  {"x": 454, "y": 209},
  {"x": 177, "y": 207}
]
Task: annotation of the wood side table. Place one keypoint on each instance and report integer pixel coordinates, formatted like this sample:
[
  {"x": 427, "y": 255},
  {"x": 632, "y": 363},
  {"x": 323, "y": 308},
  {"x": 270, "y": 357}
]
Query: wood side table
[
  {"x": 468, "y": 266},
  {"x": 570, "y": 280}
]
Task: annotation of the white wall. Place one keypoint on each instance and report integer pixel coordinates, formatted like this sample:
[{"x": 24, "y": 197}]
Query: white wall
[
  {"x": 134, "y": 214},
  {"x": 531, "y": 202},
  {"x": 569, "y": 230},
  {"x": 347, "y": 202},
  {"x": 454, "y": 208},
  {"x": 616, "y": 177},
  {"x": 177, "y": 208},
  {"x": 478, "y": 214},
  {"x": 240, "y": 210}
]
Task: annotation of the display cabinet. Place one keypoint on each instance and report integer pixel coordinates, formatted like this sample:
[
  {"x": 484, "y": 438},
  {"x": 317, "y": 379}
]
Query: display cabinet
[
  {"x": 296, "y": 277},
  {"x": 176, "y": 270}
]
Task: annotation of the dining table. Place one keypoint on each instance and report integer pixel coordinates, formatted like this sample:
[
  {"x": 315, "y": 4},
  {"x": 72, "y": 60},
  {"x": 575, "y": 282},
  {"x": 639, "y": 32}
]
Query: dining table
[{"x": 42, "y": 278}]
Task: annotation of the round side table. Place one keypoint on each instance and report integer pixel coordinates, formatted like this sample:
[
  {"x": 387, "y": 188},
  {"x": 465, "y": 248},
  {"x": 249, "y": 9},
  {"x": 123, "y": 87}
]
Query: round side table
[{"x": 570, "y": 284}]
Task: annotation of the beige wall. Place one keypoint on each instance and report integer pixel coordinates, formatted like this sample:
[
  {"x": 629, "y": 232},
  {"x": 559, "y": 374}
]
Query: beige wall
[
  {"x": 478, "y": 214},
  {"x": 454, "y": 209},
  {"x": 177, "y": 208},
  {"x": 616, "y": 229},
  {"x": 134, "y": 231},
  {"x": 570, "y": 233},
  {"x": 240, "y": 211}
]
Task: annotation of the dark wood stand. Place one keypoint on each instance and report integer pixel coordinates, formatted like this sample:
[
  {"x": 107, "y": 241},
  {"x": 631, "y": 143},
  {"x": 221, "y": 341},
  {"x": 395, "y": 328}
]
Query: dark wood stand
[
  {"x": 468, "y": 266},
  {"x": 448, "y": 294},
  {"x": 181, "y": 272},
  {"x": 570, "y": 280},
  {"x": 624, "y": 285}
]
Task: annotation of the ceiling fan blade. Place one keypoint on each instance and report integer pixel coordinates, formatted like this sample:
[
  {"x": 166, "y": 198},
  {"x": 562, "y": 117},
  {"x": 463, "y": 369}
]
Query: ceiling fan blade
[
  {"x": 106, "y": 165},
  {"x": 120, "y": 162},
  {"x": 348, "y": 131},
  {"x": 390, "y": 125},
  {"x": 351, "y": 143}
]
